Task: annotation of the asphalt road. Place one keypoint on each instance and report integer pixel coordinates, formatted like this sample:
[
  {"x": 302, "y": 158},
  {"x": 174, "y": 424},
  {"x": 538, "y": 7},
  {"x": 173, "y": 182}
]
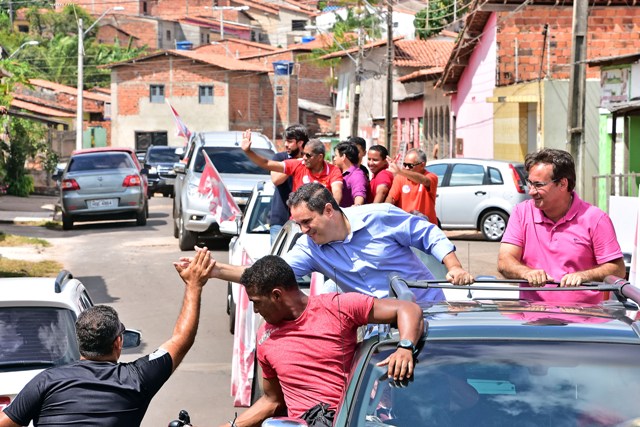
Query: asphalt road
[{"x": 130, "y": 268}]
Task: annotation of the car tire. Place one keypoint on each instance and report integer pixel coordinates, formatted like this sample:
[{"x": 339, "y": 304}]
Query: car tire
[
  {"x": 176, "y": 232},
  {"x": 149, "y": 194},
  {"x": 186, "y": 239},
  {"x": 232, "y": 311},
  {"x": 493, "y": 225},
  {"x": 67, "y": 222},
  {"x": 141, "y": 217}
]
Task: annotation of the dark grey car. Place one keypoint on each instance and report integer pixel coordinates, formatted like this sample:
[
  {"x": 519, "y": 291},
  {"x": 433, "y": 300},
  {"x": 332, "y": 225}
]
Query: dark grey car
[{"x": 102, "y": 185}]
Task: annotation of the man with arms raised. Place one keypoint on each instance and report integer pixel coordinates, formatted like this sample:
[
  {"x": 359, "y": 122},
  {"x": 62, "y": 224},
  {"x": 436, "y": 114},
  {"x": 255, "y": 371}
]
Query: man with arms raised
[
  {"x": 99, "y": 391},
  {"x": 307, "y": 345},
  {"x": 555, "y": 236},
  {"x": 311, "y": 168}
]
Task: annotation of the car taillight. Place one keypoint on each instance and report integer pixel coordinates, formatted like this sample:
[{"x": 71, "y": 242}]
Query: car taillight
[
  {"x": 132, "y": 181},
  {"x": 517, "y": 181},
  {"x": 4, "y": 402},
  {"x": 69, "y": 185}
]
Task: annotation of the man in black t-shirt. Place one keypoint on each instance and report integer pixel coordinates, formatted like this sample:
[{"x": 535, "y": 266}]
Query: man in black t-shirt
[
  {"x": 99, "y": 391},
  {"x": 295, "y": 137}
]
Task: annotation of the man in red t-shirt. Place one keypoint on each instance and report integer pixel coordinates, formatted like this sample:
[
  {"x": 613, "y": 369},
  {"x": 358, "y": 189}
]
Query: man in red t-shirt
[
  {"x": 414, "y": 188},
  {"x": 382, "y": 177},
  {"x": 311, "y": 168},
  {"x": 307, "y": 344}
]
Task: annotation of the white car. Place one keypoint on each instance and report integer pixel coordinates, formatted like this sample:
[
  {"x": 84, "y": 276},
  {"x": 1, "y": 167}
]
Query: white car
[
  {"x": 476, "y": 194},
  {"x": 251, "y": 239},
  {"x": 37, "y": 327}
]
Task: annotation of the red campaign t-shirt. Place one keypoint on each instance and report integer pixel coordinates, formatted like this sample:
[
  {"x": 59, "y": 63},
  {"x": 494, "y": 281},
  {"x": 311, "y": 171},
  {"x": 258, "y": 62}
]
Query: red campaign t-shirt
[
  {"x": 312, "y": 355},
  {"x": 384, "y": 177},
  {"x": 302, "y": 175}
]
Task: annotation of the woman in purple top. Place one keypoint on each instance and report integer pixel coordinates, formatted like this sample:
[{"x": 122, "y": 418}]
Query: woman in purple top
[{"x": 355, "y": 189}]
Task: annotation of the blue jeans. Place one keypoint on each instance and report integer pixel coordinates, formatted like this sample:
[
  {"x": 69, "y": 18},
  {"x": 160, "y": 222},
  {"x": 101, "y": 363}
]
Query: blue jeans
[{"x": 273, "y": 231}]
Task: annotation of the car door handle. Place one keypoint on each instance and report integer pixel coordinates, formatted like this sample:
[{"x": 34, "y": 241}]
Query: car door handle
[{"x": 480, "y": 193}]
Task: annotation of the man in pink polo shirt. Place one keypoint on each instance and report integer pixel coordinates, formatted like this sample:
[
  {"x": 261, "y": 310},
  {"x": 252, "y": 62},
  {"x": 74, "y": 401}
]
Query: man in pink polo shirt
[
  {"x": 555, "y": 236},
  {"x": 310, "y": 168}
]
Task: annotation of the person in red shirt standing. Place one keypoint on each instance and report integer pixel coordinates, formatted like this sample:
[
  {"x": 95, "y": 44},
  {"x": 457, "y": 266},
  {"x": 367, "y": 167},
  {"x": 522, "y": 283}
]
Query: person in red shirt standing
[
  {"x": 311, "y": 168},
  {"x": 382, "y": 177},
  {"x": 414, "y": 188}
]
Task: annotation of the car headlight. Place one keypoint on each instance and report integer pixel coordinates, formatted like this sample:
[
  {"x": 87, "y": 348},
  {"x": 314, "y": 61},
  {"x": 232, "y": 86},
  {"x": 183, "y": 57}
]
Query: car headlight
[{"x": 153, "y": 169}]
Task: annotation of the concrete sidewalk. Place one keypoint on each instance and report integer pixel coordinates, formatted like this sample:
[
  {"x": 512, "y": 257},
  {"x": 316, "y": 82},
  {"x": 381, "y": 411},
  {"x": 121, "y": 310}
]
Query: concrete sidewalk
[{"x": 27, "y": 209}]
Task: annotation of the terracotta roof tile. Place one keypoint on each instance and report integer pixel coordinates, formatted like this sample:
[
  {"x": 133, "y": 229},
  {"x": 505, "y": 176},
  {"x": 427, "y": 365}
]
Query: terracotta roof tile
[
  {"x": 39, "y": 109},
  {"x": 422, "y": 53},
  {"x": 422, "y": 75},
  {"x": 369, "y": 45},
  {"x": 57, "y": 87}
]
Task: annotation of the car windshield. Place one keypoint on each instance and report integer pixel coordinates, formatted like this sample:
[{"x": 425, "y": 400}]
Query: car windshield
[
  {"x": 100, "y": 161},
  {"x": 34, "y": 337},
  {"x": 506, "y": 384},
  {"x": 259, "y": 220},
  {"x": 163, "y": 155},
  {"x": 232, "y": 160}
]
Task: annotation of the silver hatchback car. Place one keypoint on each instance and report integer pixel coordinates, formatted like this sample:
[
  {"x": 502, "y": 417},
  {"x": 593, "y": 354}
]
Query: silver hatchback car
[
  {"x": 101, "y": 184},
  {"x": 477, "y": 194}
]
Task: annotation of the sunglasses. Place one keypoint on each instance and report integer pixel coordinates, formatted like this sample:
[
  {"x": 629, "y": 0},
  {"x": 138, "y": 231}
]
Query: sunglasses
[
  {"x": 309, "y": 155},
  {"x": 537, "y": 184},
  {"x": 410, "y": 165}
]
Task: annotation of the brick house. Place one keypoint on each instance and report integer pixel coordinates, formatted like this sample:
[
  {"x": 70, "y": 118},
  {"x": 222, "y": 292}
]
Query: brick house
[
  {"x": 508, "y": 77},
  {"x": 210, "y": 92}
]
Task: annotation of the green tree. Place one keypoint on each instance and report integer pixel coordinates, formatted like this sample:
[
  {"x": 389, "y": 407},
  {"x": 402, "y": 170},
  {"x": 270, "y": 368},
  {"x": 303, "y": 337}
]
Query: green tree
[{"x": 435, "y": 18}]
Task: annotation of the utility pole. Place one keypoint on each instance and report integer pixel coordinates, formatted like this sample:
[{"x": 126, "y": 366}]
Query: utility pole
[
  {"x": 356, "y": 95},
  {"x": 577, "y": 88},
  {"x": 389, "y": 110},
  {"x": 79, "y": 100}
]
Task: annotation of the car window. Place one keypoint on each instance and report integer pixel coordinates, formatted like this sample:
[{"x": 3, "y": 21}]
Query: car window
[
  {"x": 259, "y": 220},
  {"x": 37, "y": 336},
  {"x": 163, "y": 155},
  {"x": 439, "y": 169},
  {"x": 495, "y": 177},
  {"x": 504, "y": 384},
  {"x": 232, "y": 160},
  {"x": 463, "y": 174},
  {"x": 101, "y": 161}
]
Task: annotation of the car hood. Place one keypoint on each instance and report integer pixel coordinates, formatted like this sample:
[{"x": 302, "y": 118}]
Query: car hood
[
  {"x": 236, "y": 182},
  {"x": 12, "y": 382}
]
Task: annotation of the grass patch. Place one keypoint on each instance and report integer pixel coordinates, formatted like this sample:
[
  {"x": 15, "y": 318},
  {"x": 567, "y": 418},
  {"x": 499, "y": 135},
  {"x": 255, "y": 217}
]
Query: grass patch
[
  {"x": 13, "y": 240},
  {"x": 50, "y": 224},
  {"x": 20, "y": 268}
]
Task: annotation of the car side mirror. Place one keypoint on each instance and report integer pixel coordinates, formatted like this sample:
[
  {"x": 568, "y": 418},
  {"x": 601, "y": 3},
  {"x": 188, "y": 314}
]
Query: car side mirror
[
  {"x": 131, "y": 338},
  {"x": 231, "y": 227},
  {"x": 180, "y": 152},
  {"x": 179, "y": 168}
]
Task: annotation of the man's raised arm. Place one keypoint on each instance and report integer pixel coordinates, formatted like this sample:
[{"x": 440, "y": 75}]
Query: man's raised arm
[{"x": 264, "y": 163}]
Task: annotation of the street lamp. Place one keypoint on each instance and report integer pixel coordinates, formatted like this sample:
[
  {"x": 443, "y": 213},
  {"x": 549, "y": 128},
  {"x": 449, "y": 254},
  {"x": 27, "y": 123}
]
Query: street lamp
[
  {"x": 79, "y": 106},
  {"x": 29, "y": 43},
  {"x": 222, "y": 9}
]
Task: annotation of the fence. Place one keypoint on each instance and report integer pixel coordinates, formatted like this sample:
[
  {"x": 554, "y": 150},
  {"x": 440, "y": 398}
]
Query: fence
[{"x": 625, "y": 184}]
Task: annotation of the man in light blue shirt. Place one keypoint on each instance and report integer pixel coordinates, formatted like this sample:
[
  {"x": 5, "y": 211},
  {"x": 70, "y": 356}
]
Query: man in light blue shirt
[{"x": 359, "y": 247}]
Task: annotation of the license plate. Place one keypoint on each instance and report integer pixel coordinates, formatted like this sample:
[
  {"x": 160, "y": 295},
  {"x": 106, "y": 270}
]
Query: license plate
[{"x": 102, "y": 203}]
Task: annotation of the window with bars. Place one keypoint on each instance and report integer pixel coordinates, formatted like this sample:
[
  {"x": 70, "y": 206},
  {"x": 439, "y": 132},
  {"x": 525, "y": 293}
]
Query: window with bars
[
  {"x": 205, "y": 94},
  {"x": 156, "y": 94}
]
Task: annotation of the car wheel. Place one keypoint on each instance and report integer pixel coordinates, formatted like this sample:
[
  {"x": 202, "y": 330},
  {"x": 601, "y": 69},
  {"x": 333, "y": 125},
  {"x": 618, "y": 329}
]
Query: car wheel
[
  {"x": 67, "y": 222},
  {"x": 146, "y": 209},
  {"x": 186, "y": 238},
  {"x": 141, "y": 217},
  {"x": 493, "y": 225},
  {"x": 149, "y": 194},
  {"x": 231, "y": 309},
  {"x": 176, "y": 232}
]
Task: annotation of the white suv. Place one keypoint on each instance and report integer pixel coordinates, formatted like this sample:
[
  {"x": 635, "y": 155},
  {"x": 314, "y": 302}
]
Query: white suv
[
  {"x": 478, "y": 194},
  {"x": 37, "y": 327},
  {"x": 192, "y": 218}
]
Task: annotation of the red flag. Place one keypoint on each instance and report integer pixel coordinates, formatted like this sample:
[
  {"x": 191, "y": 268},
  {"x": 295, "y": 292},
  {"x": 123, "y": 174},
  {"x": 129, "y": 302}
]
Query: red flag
[
  {"x": 222, "y": 206},
  {"x": 183, "y": 130}
]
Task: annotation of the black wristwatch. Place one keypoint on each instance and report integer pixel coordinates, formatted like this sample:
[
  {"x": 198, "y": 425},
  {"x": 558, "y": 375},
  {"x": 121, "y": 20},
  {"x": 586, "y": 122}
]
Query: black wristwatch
[{"x": 408, "y": 345}]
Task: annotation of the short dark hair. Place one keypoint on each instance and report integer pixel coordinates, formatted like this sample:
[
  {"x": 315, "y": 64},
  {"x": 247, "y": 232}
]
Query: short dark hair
[
  {"x": 315, "y": 195},
  {"x": 348, "y": 149},
  {"x": 316, "y": 146},
  {"x": 384, "y": 153},
  {"x": 96, "y": 329},
  {"x": 267, "y": 273},
  {"x": 358, "y": 141},
  {"x": 297, "y": 132},
  {"x": 562, "y": 162}
]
